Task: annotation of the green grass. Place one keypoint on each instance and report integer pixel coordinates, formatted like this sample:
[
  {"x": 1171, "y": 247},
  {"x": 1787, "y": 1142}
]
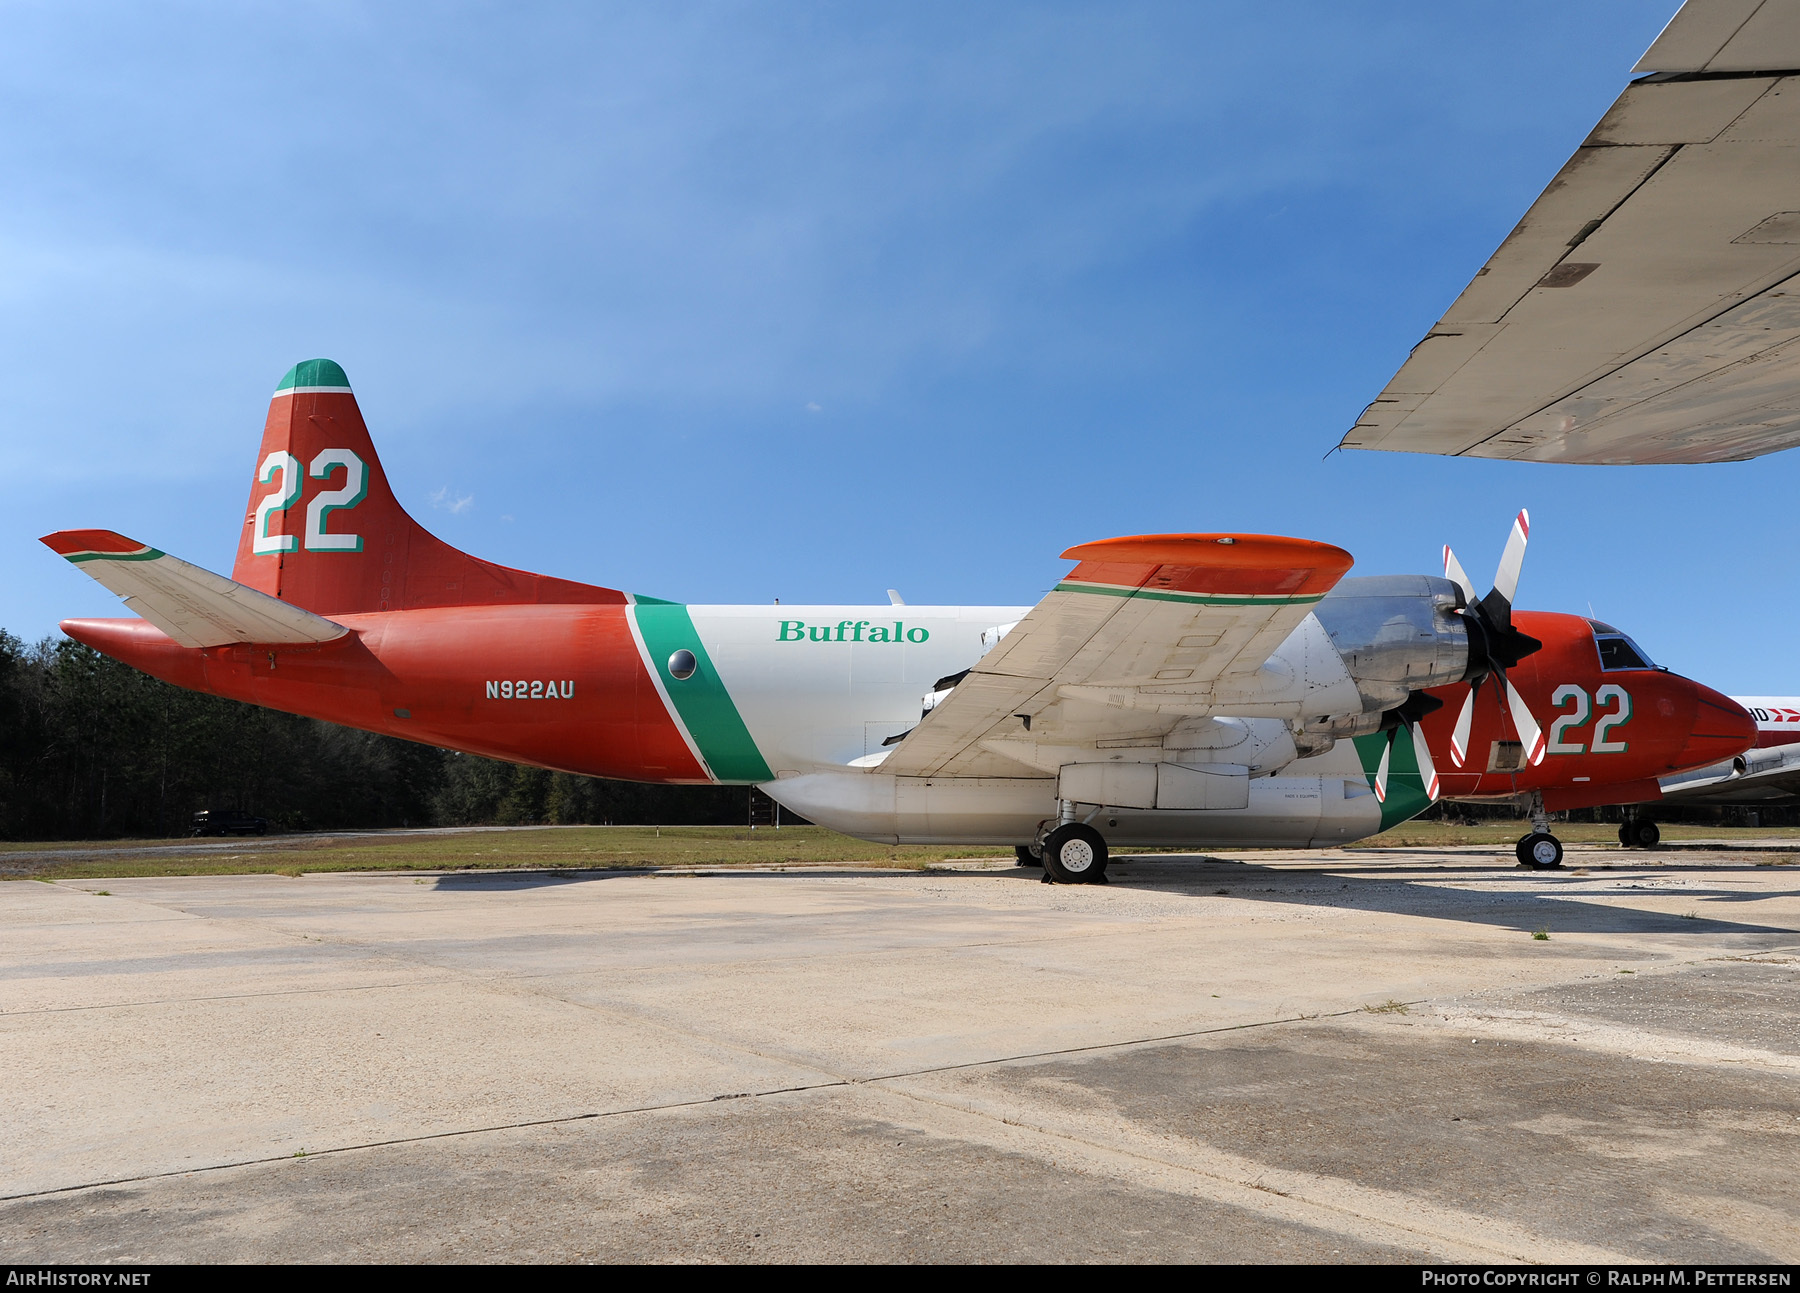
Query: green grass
[
  {"x": 559, "y": 847},
  {"x": 575, "y": 847}
]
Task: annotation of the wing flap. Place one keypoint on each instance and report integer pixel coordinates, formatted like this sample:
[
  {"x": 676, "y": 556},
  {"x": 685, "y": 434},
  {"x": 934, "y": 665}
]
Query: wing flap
[
  {"x": 193, "y": 606},
  {"x": 1164, "y": 613}
]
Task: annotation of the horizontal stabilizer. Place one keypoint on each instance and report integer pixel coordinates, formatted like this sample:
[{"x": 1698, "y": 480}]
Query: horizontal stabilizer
[{"x": 193, "y": 606}]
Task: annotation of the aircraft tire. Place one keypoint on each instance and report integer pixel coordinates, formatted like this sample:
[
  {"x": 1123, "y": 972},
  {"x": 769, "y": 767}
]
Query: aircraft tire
[
  {"x": 1539, "y": 851},
  {"x": 1625, "y": 834},
  {"x": 1646, "y": 835},
  {"x": 1024, "y": 856},
  {"x": 1075, "y": 854}
]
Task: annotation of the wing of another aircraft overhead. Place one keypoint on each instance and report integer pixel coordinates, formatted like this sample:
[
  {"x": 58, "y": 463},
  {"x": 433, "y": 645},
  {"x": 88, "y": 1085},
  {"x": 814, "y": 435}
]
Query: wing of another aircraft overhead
[
  {"x": 193, "y": 606},
  {"x": 1647, "y": 308},
  {"x": 1172, "y": 619}
]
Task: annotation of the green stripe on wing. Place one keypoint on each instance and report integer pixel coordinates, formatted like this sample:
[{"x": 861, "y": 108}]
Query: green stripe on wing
[
  {"x": 1199, "y": 599},
  {"x": 145, "y": 554}
]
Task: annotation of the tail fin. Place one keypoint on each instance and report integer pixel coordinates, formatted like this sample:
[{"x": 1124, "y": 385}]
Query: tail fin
[{"x": 323, "y": 530}]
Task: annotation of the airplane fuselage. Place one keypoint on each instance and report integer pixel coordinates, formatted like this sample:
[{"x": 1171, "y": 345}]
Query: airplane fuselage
[{"x": 804, "y": 700}]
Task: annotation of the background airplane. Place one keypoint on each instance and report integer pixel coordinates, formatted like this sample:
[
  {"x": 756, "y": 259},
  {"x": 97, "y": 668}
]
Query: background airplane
[
  {"x": 1194, "y": 689},
  {"x": 1767, "y": 774}
]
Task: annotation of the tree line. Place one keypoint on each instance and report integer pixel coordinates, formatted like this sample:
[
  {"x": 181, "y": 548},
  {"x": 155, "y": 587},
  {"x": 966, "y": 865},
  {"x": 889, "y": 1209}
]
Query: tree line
[{"x": 90, "y": 749}]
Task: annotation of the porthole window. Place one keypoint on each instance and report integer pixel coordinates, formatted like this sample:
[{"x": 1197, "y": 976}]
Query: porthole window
[{"x": 682, "y": 665}]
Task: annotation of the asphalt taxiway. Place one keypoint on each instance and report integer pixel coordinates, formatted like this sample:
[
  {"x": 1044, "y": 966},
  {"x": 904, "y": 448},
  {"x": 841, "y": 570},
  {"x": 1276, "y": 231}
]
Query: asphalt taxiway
[{"x": 1359, "y": 1055}]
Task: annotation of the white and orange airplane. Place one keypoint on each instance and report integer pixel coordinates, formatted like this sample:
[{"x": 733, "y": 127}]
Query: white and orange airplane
[{"x": 1186, "y": 689}]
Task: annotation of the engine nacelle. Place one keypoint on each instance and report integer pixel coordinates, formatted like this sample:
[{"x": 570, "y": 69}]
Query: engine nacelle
[{"x": 1397, "y": 634}]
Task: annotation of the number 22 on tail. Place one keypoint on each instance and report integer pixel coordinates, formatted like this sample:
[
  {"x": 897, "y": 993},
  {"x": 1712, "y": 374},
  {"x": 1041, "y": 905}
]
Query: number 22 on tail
[{"x": 287, "y": 467}]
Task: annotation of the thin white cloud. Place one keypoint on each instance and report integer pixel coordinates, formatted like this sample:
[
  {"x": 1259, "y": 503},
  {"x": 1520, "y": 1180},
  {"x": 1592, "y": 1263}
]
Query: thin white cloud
[{"x": 455, "y": 504}]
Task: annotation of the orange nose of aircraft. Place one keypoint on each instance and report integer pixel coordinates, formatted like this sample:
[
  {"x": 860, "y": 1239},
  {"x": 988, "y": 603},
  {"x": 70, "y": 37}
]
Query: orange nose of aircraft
[{"x": 1722, "y": 730}]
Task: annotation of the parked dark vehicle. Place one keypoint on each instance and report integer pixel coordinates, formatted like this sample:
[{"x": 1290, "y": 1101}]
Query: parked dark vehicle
[{"x": 228, "y": 821}]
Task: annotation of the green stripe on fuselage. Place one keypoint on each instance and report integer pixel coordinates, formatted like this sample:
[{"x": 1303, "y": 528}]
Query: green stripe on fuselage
[
  {"x": 1201, "y": 599},
  {"x": 1406, "y": 797},
  {"x": 705, "y": 706}
]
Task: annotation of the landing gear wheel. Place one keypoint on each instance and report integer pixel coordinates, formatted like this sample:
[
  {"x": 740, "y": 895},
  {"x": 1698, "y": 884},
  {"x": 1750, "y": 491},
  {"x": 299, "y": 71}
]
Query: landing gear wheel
[
  {"x": 1539, "y": 851},
  {"x": 1075, "y": 854},
  {"x": 1645, "y": 835},
  {"x": 1626, "y": 832},
  {"x": 1025, "y": 855}
]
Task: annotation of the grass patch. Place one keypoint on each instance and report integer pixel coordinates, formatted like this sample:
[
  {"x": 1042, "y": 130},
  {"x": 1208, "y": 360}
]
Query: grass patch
[
  {"x": 1389, "y": 1007},
  {"x": 1541, "y": 933},
  {"x": 559, "y": 847}
]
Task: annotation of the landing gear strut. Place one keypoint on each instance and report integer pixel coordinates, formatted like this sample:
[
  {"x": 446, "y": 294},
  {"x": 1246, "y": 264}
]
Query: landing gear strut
[{"x": 1540, "y": 850}]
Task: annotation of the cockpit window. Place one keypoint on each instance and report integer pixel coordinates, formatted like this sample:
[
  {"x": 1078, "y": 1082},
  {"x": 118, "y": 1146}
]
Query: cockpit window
[{"x": 1616, "y": 650}]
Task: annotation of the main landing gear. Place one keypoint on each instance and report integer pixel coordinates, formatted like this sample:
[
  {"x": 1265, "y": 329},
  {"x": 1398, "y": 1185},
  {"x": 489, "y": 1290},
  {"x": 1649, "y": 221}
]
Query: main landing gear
[
  {"x": 1540, "y": 850},
  {"x": 1028, "y": 855},
  {"x": 1639, "y": 833},
  {"x": 1074, "y": 852}
]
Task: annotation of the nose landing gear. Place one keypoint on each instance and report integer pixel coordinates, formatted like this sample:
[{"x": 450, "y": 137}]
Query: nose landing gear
[{"x": 1540, "y": 850}]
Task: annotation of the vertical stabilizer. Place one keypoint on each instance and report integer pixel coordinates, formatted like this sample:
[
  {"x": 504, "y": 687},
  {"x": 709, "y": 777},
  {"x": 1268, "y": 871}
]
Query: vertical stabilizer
[{"x": 324, "y": 531}]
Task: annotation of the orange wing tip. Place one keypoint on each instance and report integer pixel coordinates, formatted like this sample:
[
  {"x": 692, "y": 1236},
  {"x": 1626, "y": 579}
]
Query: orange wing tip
[
  {"x": 93, "y": 543},
  {"x": 1230, "y": 564}
]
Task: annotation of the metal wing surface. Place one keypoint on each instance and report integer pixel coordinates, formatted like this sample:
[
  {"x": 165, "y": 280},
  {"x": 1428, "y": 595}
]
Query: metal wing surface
[
  {"x": 1762, "y": 775},
  {"x": 1173, "y": 619},
  {"x": 193, "y": 606},
  {"x": 1647, "y": 308}
]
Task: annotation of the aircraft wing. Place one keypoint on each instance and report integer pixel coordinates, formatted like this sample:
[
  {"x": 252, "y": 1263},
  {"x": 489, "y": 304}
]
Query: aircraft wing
[
  {"x": 1770, "y": 773},
  {"x": 193, "y": 606},
  {"x": 1647, "y": 308},
  {"x": 1182, "y": 614}
]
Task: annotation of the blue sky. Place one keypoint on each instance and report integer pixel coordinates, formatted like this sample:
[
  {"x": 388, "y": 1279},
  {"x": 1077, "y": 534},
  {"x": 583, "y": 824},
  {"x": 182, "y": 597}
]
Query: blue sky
[{"x": 728, "y": 302}]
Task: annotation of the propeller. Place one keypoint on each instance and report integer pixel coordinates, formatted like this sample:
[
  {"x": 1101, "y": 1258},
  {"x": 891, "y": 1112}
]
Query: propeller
[
  {"x": 1495, "y": 646},
  {"x": 1408, "y": 715}
]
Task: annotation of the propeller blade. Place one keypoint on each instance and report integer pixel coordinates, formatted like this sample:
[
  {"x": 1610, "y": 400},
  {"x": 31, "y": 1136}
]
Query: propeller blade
[
  {"x": 1506, "y": 579},
  {"x": 1427, "y": 768},
  {"x": 1453, "y": 571},
  {"x": 1381, "y": 770},
  {"x": 1459, "y": 735},
  {"x": 1531, "y": 736}
]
